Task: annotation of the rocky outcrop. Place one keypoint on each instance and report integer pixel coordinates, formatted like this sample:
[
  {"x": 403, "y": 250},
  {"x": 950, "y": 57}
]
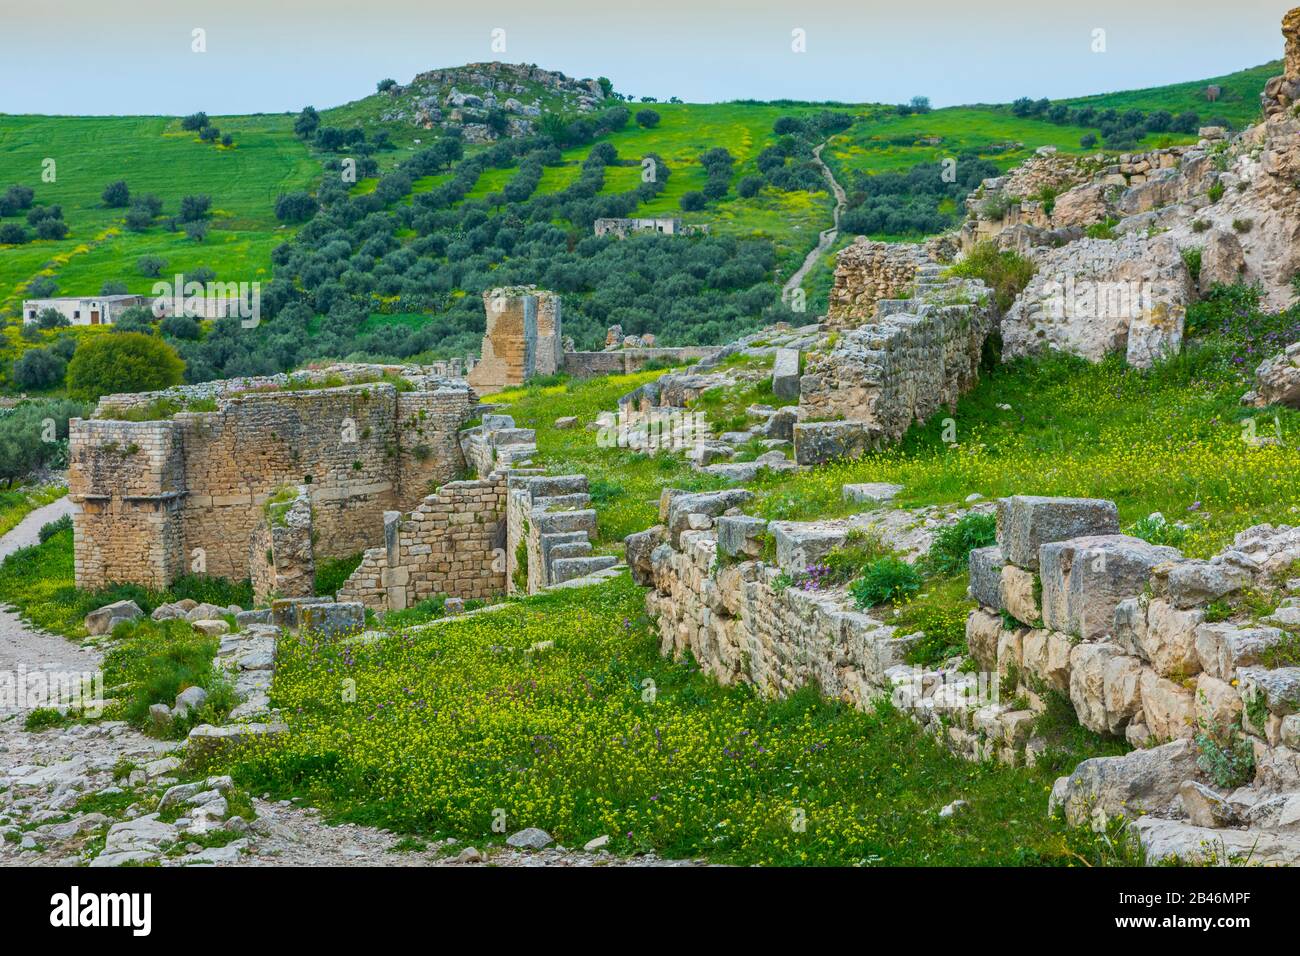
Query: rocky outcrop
[
  {"x": 1277, "y": 380},
  {"x": 1097, "y": 296}
]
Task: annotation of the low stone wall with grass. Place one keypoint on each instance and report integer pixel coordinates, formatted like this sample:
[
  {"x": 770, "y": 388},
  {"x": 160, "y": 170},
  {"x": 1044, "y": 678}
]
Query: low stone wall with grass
[
  {"x": 783, "y": 604},
  {"x": 870, "y": 384},
  {"x": 1186, "y": 670}
]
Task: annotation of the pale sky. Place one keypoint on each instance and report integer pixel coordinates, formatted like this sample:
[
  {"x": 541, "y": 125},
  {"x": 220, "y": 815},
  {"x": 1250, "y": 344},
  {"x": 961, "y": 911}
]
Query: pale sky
[{"x": 136, "y": 56}]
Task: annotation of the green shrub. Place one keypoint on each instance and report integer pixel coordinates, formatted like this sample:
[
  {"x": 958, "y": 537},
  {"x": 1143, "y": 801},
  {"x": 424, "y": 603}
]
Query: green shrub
[
  {"x": 951, "y": 547},
  {"x": 123, "y": 362},
  {"x": 1006, "y": 273},
  {"x": 885, "y": 580},
  {"x": 1156, "y": 529},
  {"x": 51, "y": 528},
  {"x": 332, "y": 572}
]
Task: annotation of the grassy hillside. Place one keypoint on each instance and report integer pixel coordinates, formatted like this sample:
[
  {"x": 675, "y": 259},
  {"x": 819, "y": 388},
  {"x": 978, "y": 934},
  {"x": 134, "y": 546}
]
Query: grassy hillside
[
  {"x": 1238, "y": 99},
  {"x": 154, "y": 155}
]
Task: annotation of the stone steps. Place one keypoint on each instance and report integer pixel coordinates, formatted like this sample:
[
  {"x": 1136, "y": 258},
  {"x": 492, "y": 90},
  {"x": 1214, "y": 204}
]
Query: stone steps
[{"x": 566, "y": 569}]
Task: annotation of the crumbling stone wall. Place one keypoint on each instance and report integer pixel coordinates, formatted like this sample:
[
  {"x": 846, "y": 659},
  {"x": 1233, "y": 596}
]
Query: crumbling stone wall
[
  {"x": 1068, "y": 606},
  {"x": 524, "y": 337},
  {"x": 875, "y": 381},
  {"x": 281, "y": 556},
  {"x": 451, "y": 544},
  {"x": 163, "y": 498},
  {"x": 866, "y": 272}
]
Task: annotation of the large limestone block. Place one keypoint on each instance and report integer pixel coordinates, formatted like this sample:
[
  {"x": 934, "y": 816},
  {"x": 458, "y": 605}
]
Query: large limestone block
[
  {"x": 982, "y": 630},
  {"x": 1168, "y": 708},
  {"x": 1131, "y": 785},
  {"x": 1105, "y": 687},
  {"x": 1027, "y": 522},
  {"x": 741, "y": 536},
  {"x": 1218, "y": 704},
  {"x": 1085, "y": 579},
  {"x": 986, "y": 576},
  {"x": 1018, "y": 594},
  {"x": 785, "y": 373},
  {"x": 801, "y": 544},
  {"x": 1279, "y": 686},
  {"x": 1223, "y": 647},
  {"x": 103, "y": 620},
  {"x": 1169, "y": 640}
]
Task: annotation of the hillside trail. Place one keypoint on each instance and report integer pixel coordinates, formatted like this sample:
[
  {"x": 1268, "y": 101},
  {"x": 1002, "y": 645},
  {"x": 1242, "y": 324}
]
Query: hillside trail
[
  {"x": 827, "y": 236},
  {"x": 44, "y": 773}
]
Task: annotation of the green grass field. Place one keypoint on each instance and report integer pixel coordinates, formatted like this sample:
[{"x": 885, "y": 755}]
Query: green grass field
[
  {"x": 1238, "y": 101},
  {"x": 154, "y": 156}
]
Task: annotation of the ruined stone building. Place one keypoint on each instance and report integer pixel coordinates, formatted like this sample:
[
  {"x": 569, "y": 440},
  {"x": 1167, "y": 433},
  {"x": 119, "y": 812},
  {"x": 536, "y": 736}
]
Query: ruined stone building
[{"x": 185, "y": 493}]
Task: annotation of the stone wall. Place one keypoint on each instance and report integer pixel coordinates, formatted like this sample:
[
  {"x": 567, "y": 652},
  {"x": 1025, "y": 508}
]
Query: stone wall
[
  {"x": 513, "y": 531},
  {"x": 1121, "y": 629},
  {"x": 451, "y": 544},
  {"x": 161, "y": 498},
  {"x": 866, "y": 272},
  {"x": 626, "y": 361},
  {"x": 876, "y": 381}
]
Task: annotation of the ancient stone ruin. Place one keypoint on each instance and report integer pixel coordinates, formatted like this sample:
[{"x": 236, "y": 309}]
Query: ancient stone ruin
[
  {"x": 525, "y": 339},
  {"x": 1120, "y": 628},
  {"x": 188, "y": 493}
]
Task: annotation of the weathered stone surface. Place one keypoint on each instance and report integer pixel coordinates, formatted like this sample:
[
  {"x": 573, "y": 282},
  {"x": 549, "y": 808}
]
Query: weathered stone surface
[
  {"x": 1097, "y": 296},
  {"x": 1205, "y": 808},
  {"x": 1018, "y": 597},
  {"x": 741, "y": 535},
  {"x": 1277, "y": 380},
  {"x": 1223, "y": 647},
  {"x": 1218, "y": 704},
  {"x": 1164, "y": 839},
  {"x": 1168, "y": 708},
  {"x": 638, "y": 547},
  {"x": 1026, "y": 522},
  {"x": 801, "y": 544},
  {"x": 104, "y": 619},
  {"x": 871, "y": 492},
  {"x": 818, "y": 442},
  {"x": 982, "y": 630},
  {"x": 531, "y": 838},
  {"x": 211, "y": 628},
  {"x": 333, "y": 619},
  {"x": 1129, "y": 785},
  {"x": 785, "y": 373},
  {"x": 245, "y": 618},
  {"x": 707, "y": 503},
  {"x": 1169, "y": 639},
  {"x": 1191, "y": 583},
  {"x": 1280, "y": 687},
  {"x": 1222, "y": 260},
  {"x": 986, "y": 576},
  {"x": 1084, "y": 580}
]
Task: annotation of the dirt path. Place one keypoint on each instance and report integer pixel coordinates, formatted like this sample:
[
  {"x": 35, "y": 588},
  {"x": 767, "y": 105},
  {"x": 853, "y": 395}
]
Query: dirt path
[
  {"x": 827, "y": 236},
  {"x": 44, "y": 775}
]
